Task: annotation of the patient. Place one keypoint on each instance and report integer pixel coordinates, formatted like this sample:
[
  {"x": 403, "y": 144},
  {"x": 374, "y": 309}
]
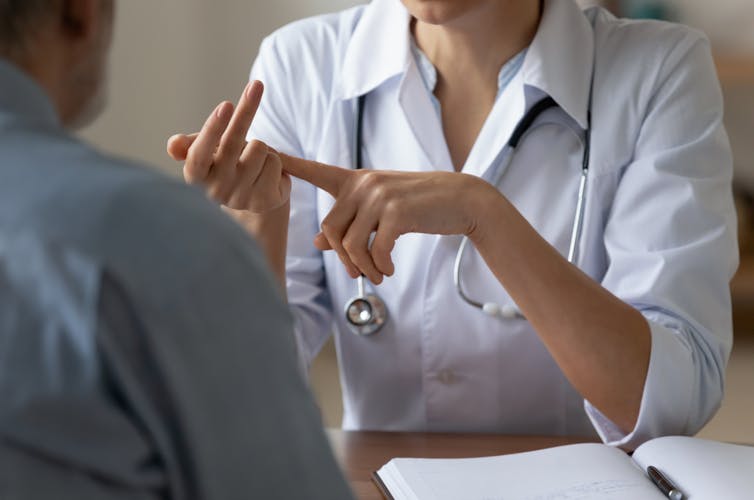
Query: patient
[{"x": 136, "y": 362}]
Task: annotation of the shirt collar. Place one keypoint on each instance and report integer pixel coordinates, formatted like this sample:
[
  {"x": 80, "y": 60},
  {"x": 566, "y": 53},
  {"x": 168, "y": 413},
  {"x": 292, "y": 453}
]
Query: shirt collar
[
  {"x": 21, "y": 96},
  {"x": 560, "y": 59},
  {"x": 558, "y": 62},
  {"x": 379, "y": 48},
  {"x": 429, "y": 73}
]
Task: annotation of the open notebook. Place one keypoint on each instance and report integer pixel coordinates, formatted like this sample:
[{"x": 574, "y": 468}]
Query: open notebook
[{"x": 702, "y": 470}]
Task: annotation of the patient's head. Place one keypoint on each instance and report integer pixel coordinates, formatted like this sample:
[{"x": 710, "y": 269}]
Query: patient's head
[{"x": 63, "y": 45}]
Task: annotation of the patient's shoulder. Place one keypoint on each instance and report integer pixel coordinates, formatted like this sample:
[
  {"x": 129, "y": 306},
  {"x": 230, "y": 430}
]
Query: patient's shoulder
[
  {"x": 151, "y": 207},
  {"x": 133, "y": 219}
]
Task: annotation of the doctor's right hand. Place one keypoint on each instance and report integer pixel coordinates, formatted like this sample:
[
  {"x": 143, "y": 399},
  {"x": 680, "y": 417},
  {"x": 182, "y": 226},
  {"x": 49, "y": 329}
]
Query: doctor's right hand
[{"x": 239, "y": 175}]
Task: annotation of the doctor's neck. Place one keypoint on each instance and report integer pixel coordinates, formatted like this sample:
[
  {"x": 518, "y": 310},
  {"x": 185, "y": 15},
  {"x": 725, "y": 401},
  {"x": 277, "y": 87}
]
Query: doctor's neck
[{"x": 473, "y": 39}]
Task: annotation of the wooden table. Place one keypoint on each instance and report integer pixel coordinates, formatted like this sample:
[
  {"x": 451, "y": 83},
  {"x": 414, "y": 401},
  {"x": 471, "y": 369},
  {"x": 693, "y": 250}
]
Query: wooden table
[{"x": 361, "y": 453}]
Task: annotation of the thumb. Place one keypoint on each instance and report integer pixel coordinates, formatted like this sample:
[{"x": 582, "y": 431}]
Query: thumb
[
  {"x": 321, "y": 243},
  {"x": 178, "y": 146}
]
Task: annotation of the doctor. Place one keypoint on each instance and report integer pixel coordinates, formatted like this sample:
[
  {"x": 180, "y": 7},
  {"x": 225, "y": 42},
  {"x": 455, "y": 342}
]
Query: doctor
[{"x": 600, "y": 247}]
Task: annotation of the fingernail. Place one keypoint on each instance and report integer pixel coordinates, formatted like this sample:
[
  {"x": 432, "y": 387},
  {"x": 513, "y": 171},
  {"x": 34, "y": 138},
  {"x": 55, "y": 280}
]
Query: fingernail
[
  {"x": 221, "y": 111},
  {"x": 247, "y": 92}
]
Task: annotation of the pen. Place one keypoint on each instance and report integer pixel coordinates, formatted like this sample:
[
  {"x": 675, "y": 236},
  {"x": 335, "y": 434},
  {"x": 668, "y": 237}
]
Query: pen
[{"x": 664, "y": 484}]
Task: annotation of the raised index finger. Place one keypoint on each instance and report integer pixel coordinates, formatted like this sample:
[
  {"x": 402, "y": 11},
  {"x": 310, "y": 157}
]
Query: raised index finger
[{"x": 323, "y": 176}]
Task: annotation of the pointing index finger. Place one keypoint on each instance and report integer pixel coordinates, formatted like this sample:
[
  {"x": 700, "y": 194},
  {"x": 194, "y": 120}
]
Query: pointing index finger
[{"x": 323, "y": 176}]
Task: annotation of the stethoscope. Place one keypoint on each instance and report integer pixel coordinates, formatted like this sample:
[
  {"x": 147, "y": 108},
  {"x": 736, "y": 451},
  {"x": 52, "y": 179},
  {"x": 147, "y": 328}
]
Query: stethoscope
[{"x": 367, "y": 313}]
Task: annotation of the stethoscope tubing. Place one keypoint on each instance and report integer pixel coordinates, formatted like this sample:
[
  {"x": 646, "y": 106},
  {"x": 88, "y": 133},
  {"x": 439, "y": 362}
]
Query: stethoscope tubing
[
  {"x": 578, "y": 223},
  {"x": 508, "y": 312},
  {"x": 526, "y": 125}
]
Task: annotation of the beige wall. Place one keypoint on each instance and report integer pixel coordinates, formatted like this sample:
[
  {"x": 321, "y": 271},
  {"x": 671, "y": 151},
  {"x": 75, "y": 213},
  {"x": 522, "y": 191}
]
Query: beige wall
[
  {"x": 174, "y": 60},
  {"x": 729, "y": 23}
]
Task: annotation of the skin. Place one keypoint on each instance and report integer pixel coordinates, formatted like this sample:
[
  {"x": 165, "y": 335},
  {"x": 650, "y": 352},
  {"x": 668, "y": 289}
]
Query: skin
[
  {"x": 456, "y": 36},
  {"x": 66, "y": 53},
  {"x": 600, "y": 343}
]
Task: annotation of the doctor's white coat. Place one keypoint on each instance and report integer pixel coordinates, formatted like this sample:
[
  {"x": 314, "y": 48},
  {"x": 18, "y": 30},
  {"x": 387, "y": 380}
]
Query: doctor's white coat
[{"x": 659, "y": 227}]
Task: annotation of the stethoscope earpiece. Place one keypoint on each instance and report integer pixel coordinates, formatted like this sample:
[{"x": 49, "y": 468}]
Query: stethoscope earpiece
[
  {"x": 491, "y": 309},
  {"x": 507, "y": 311}
]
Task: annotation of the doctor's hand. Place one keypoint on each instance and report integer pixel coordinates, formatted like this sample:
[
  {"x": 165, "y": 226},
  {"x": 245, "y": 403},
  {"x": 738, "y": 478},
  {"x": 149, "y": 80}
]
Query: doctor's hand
[
  {"x": 239, "y": 175},
  {"x": 390, "y": 204}
]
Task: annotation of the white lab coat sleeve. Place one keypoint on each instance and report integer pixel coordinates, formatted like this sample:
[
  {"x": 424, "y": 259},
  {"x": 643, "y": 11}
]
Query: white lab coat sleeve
[
  {"x": 276, "y": 125},
  {"x": 672, "y": 248}
]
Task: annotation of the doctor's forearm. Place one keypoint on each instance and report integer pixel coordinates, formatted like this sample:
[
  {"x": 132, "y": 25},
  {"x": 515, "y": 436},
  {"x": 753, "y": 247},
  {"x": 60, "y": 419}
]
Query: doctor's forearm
[
  {"x": 270, "y": 230},
  {"x": 601, "y": 343}
]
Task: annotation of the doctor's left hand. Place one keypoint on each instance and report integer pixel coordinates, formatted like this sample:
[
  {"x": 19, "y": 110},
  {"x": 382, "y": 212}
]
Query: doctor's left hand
[{"x": 390, "y": 204}]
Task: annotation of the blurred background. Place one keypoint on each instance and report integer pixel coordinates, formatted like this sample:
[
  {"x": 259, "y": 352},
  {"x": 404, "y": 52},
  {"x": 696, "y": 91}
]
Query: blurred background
[{"x": 175, "y": 60}]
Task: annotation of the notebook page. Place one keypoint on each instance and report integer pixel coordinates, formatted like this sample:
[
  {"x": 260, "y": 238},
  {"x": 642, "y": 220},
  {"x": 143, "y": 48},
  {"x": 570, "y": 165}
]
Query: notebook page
[
  {"x": 702, "y": 469},
  {"x": 395, "y": 482},
  {"x": 582, "y": 471}
]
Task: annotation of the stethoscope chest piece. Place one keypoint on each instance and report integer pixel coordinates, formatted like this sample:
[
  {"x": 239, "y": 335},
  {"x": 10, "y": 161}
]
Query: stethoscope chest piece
[{"x": 365, "y": 314}]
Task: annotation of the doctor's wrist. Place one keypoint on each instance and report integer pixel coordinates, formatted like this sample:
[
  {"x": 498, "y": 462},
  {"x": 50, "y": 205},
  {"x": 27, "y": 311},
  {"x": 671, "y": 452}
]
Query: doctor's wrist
[{"x": 486, "y": 206}]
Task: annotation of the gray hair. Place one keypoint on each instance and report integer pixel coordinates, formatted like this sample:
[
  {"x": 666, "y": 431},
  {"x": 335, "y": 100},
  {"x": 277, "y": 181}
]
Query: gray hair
[{"x": 18, "y": 19}]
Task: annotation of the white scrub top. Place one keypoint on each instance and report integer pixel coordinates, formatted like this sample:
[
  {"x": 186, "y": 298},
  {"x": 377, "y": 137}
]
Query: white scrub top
[{"x": 659, "y": 223}]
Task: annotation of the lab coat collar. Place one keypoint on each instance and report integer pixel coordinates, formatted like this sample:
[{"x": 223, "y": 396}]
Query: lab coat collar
[
  {"x": 379, "y": 49},
  {"x": 21, "y": 96},
  {"x": 560, "y": 59}
]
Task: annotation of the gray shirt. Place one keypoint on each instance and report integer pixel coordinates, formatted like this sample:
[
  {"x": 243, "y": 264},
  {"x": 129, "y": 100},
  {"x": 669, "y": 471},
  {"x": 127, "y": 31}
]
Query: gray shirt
[{"x": 144, "y": 350}]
